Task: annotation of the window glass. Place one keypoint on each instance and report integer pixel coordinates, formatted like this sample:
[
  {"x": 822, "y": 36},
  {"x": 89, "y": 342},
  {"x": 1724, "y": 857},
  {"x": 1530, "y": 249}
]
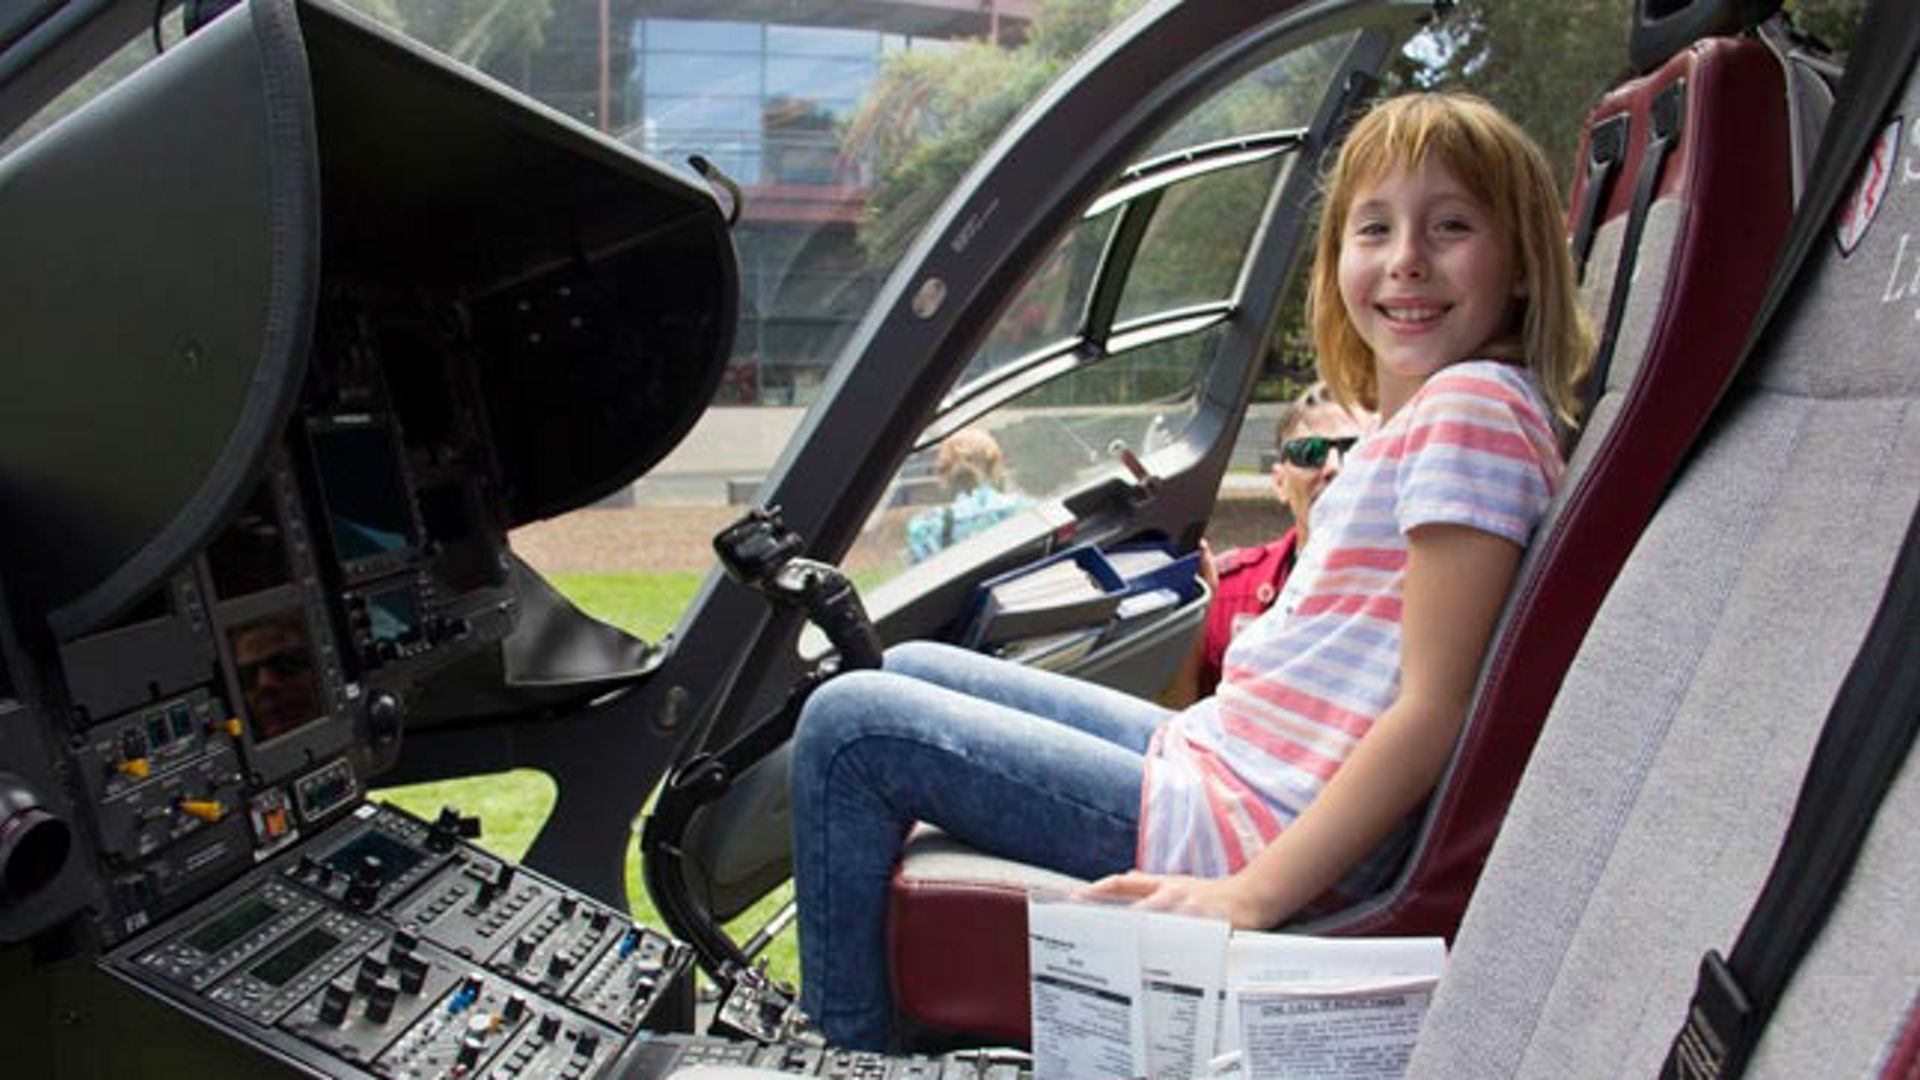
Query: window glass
[
  {"x": 1039, "y": 446},
  {"x": 813, "y": 78},
  {"x": 672, "y": 113},
  {"x": 124, "y": 62},
  {"x": 1198, "y": 238},
  {"x": 702, "y": 74},
  {"x": 1062, "y": 433},
  {"x": 689, "y": 35},
  {"x": 1051, "y": 303},
  {"x": 1281, "y": 94},
  {"x": 822, "y": 41}
]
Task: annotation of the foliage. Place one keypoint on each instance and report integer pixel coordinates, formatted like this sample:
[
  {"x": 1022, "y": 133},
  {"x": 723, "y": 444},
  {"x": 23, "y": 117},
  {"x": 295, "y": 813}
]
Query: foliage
[
  {"x": 1831, "y": 22},
  {"x": 1545, "y": 64},
  {"x": 1542, "y": 64},
  {"x": 930, "y": 116}
]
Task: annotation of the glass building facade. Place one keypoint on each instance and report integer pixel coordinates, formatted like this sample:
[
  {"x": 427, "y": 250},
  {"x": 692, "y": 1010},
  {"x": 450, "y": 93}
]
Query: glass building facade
[{"x": 765, "y": 92}]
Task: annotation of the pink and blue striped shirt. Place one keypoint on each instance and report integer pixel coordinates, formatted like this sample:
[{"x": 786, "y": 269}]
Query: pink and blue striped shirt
[{"x": 1306, "y": 681}]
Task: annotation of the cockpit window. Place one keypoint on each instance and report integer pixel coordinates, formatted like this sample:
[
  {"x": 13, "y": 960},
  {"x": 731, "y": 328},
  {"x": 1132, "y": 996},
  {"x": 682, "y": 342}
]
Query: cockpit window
[
  {"x": 126, "y": 60},
  {"x": 1109, "y": 339}
]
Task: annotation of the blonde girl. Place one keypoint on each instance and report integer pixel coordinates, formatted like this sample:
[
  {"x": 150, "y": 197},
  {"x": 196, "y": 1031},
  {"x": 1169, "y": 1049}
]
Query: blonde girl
[{"x": 1442, "y": 295}]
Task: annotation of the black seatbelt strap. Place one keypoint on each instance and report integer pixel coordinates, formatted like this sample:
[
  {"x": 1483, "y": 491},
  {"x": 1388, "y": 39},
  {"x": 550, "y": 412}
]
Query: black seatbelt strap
[
  {"x": 1606, "y": 149},
  {"x": 1864, "y": 744},
  {"x": 1872, "y": 725},
  {"x": 1663, "y": 131}
]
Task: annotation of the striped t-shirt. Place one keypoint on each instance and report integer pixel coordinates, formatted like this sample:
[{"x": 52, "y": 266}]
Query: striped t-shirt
[{"x": 1306, "y": 681}]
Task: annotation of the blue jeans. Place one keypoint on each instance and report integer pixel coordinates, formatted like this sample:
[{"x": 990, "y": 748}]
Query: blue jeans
[{"x": 1028, "y": 764}]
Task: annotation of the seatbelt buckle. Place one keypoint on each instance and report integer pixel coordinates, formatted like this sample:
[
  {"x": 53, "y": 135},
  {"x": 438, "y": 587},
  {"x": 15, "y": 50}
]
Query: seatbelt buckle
[{"x": 1714, "y": 1042}]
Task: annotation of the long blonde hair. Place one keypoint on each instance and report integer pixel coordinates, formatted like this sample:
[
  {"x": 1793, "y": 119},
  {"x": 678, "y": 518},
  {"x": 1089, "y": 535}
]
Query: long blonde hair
[{"x": 1503, "y": 168}]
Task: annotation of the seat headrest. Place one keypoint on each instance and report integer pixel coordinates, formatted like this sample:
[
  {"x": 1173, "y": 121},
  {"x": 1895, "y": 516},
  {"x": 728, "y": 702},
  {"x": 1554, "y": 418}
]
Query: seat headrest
[{"x": 1662, "y": 28}]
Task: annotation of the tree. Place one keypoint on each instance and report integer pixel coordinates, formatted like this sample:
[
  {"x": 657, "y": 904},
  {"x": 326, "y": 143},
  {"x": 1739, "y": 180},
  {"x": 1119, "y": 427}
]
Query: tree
[
  {"x": 1541, "y": 63},
  {"x": 930, "y": 116},
  {"x": 1831, "y": 22},
  {"x": 1544, "y": 64}
]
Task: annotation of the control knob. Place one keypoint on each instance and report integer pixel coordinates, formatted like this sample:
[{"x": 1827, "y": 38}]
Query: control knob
[
  {"x": 371, "y": 972},
  {"x": 380, "y": 1001},
  {"x": 385, "y": 712},
  {"x": 413, "y": 974},
  {"x": 363, "y": 892},
  {"x": 450, "y": 826},
  {"x": 333, "y": 1004}
]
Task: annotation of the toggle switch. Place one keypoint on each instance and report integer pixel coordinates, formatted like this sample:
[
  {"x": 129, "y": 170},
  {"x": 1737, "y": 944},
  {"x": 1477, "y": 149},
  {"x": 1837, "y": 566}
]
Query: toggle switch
[{"x": 208, "y": 810}]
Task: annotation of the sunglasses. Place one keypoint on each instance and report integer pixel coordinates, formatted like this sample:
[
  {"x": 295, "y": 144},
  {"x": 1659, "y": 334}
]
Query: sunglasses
[{"x": 1310, "y": 451}]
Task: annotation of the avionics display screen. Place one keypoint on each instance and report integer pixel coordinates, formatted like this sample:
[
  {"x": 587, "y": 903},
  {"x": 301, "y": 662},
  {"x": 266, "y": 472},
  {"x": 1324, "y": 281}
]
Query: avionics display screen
[
  {"x": 273, "y": 658},
  {"x": 295, "y": 958},
  {"x": 393, "y": 857},
  {"x": 250, "y": 555},
  {"x": 232, "y": 926},
  {"x": 393, "y": 615},
  {"x": 366, "y": 497}
]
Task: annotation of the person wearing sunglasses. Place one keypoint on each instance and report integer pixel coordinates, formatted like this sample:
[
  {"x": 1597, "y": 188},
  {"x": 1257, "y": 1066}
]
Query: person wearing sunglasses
[
  {"x": 273, "y": 659},
  {"x": 1313, "y": 435}
]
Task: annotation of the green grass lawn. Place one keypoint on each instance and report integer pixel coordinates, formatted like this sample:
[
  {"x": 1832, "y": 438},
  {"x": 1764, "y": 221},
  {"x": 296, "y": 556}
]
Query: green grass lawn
[{"x": 511, "y": 806}]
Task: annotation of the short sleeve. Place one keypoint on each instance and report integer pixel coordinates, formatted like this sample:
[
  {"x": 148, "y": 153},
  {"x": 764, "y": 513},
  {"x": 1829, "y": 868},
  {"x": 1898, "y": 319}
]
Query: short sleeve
[{"x": 1479, "y": 452}]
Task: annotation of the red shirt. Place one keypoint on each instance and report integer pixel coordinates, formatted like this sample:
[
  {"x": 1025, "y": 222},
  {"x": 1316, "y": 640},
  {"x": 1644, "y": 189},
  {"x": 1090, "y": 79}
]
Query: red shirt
[{"x": 1250, "y": 581}]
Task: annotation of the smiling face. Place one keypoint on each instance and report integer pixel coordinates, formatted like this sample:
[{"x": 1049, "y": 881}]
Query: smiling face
[{"x": 1427, "y": 275}]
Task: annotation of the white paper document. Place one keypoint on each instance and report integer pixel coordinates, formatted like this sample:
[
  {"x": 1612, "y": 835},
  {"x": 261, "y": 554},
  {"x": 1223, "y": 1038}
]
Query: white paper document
[
  {"x": 1283, "y": 959},
  {"x": 1326, "y": 1031},
  {"x": 1183, "y": 961},
  {"x": 1120, "y": 993},
  {"x": 1087, "y": 1016}
]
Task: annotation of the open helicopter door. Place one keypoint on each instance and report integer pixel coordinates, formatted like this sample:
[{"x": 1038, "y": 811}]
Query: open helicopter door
[{"x": 1096, "y": 300}]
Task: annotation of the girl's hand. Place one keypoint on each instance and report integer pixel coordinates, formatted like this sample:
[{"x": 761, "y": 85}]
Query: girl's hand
[{"x": 1220, "y": 898}]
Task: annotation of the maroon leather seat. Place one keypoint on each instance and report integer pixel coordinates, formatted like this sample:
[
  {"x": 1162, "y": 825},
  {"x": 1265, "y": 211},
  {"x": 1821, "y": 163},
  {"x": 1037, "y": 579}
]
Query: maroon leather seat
[{"x": 958, "y": 919}]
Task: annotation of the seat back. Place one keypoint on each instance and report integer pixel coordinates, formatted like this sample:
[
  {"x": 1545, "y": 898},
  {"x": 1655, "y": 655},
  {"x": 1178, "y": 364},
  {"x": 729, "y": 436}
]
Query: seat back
[
  {"x": 1721, "y": 205},
  {"x": 1661, "y": 786}
]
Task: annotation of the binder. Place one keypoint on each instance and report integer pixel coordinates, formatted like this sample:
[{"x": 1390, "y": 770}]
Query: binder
[{"x": 1076, "y": 599}]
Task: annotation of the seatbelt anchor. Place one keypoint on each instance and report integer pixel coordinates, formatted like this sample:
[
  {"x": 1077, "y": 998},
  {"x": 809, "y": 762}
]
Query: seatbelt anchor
[{"x": 1717, "y": 1038}]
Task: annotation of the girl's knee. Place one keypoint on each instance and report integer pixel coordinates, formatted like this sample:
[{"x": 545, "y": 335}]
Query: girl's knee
[
  {"x": 832, "y": 711},
  {"x": 912, "y": 656}
]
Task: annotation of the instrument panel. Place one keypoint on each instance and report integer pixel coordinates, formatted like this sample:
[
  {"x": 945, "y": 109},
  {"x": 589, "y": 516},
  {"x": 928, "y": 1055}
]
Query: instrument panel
[
  {"x": 241, "y": 706},
  {"x": 390, "y": 947}
]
